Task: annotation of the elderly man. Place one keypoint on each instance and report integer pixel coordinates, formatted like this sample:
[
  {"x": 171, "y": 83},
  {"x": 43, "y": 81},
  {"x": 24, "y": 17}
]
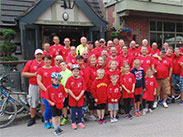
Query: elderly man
[
  {"x": 66, "y": 49},
  {"x": 155, "y": 49},
  {"x": 133, "y": 51},
  {"x": 145, "y": 44},
  {"x": 30, "y": 71},
  {"x": 82, "y": 47},
  {"x": 163, "y": 71},
  {"x": 46, "y": 48}
]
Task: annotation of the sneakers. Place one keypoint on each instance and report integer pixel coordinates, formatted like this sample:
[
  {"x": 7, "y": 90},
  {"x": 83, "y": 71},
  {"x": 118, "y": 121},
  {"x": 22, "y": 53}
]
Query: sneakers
[
  {"x": 140, "y": 114},
  {"x": 181, "y": 102},
  {"x": 31, "y": 122},
  {"x": 58, "y": 131},
  {"x": 74, "y": 126},
  {"x": 51, "y": 125},
  {"x": 115, "y": 119},
  {"x": 100, "y": 121},
  {"x": 81, "y": 125},
  {"x": 136, "y": 114},
  {"x": 155, "y": 104},
  {"x": 112, "y": 120},
  {"x": 64, "y": 121},
  {"x": 150, "y": 110},
  {"x": 47, "y": 125},
  {"x": 92, "y": 117},
  {"x": 165, "y": 105},
  {"x": 144, "y": 111},
  {"x": 104, "y": 121}
]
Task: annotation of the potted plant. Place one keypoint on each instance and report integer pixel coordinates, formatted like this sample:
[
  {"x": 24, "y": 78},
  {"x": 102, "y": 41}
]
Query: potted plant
[
  {"x": 125, "y": 32},
  {"x": 114, "y": 34},
  {"x": 8, "y": 47}
]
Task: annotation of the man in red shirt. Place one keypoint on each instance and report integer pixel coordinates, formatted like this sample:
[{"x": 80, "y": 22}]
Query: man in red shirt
[
  {"x": 133, "y": 51},
  {"x": 163, "y": 71},
  {"x": 145, "y": 60},
  {"x": 71, "y": 58},
  {"x": 91, "y": 51},
  {"x": 176, "y": 71},
  {"x": 145, "y": 43},
  {"x": 30, "y": 71},
  {"x": 46, "y": 50},
  {"x": 155, "y": 49},
  {"x": 66, "y": 49},
  {"x": 56, "y": 48}
]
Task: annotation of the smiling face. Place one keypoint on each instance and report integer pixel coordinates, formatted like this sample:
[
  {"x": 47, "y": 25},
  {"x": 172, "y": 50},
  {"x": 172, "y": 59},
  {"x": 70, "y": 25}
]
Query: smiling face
[
  {"x": 56, "y": 40},
  {"x": 55, "y": 81},
  {"x": 75, "y": 73},
  {"x": 47, "y": 62}
]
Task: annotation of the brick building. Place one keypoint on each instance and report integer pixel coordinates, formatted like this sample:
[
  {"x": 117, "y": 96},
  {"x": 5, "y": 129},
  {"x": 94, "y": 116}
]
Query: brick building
[{"x": 155, "y": 20}]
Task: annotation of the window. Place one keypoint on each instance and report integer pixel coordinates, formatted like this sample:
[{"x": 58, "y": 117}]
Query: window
[{"x": 164, "y": 31}]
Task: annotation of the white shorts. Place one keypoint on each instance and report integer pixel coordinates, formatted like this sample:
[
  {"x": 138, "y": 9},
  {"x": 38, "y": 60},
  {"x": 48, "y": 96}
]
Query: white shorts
[
  {"x": 33, "y": 96},
  {"x": 113, "y": 106}
]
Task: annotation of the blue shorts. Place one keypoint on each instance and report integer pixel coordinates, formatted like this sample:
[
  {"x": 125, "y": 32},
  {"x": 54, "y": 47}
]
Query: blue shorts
[
  {"x": 175, "y": 79},
  {"x": 181, "y": 84}
]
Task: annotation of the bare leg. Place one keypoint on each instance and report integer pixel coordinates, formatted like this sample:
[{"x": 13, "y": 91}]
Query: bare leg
[
  {"x": 99, "y": 114},
  {"x": 33, "y": 112},
  {"x": 111, "y": 114},
  {"x": 115, "y": 113},
  {"x": 102, "y": 113}
]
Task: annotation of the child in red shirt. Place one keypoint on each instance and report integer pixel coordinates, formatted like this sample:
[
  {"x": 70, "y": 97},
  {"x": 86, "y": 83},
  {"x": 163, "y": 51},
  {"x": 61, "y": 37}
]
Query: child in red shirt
[
  {"x": 113, "y": 94},
  {"x": 128, "y": 84},
  {"x": 150, "y": 90},
  {"x": 55, "y": 95},
  {"x": 99, "y": 92},
  {"x": 76, "y": 87}
]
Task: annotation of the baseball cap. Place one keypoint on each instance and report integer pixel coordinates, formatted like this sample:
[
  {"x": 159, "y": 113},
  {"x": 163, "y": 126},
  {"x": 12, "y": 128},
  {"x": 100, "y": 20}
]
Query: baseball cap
[
  {"x": 163, "y": 50},
  {"x": 89, "y": 42},
  {"x": 102, "y": 40},
  {"x": 79, "y": 57},
  {"x": 75, "y": 66},
  {"x": 37, "y": 51}
]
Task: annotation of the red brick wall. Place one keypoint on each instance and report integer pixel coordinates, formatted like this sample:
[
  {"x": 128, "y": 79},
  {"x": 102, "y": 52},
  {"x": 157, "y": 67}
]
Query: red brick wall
[
  {"x": 139, "y": 27},
  {"x": 109, "y": 16}
]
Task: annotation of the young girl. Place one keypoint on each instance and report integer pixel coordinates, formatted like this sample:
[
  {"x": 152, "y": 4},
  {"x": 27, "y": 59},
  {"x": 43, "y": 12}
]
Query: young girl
[
  {"x": 99, "y": 92},
  {"x": 102, "y": 63},
  {"x": 55, "y": 95},
  {"x": 139, "y": 86},
  {"x": 113, "y": 94},
  {"x": 128, "y": 84},
  {"x": 151, "y": 85},
  {"x": 76, "y": 87}
]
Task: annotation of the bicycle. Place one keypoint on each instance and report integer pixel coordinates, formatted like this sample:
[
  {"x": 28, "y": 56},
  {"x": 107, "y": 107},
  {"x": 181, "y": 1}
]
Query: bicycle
[{"x": 10, "y": 105}]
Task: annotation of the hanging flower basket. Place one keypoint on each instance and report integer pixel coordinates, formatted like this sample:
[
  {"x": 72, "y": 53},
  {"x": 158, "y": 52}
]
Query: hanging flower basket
[{"x": 125, "y": 32}]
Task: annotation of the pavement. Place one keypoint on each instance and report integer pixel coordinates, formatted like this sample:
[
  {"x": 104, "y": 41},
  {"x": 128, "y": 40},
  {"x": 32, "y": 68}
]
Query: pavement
[{"x": 161, "y": 123}]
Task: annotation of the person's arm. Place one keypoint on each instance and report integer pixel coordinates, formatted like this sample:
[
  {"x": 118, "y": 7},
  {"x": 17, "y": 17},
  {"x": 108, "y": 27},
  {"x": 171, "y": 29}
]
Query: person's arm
[
  {"x": 51, "y": 103},
  {"x": 126, "y": 89},
  {"x": 80, "y": 95},
  {"x": 133, "y": 88},
  {"x": 39, "y": 78},
  {"x": 154, "y": 91},
  {"x": 71, "y": 93},
  {"x": 170, "y": 73},
  {"x": 157, "y": 57},
  {"x": 143, "y": 80},
  {"x": 28, "y": 74}
]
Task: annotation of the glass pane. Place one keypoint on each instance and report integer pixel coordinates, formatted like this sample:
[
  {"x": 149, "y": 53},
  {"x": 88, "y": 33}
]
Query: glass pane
[
  {"x": 159, "y": 26},
  {"x": 152, "y": 25},
  {"x": 179, "y": 27},
  {"x": 159, "y": 37},
  {"x": 169, "y": 26},
  {"x": 152, "y": 38},
  {"x": 170, "y": 39},
  {"x": 179, "y": 40}
]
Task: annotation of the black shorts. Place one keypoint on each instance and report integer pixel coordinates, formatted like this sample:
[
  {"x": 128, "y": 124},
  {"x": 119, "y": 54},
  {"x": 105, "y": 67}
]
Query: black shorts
[
  {"x": 137, "y": 98},
  {"x": 101, "y": 106},
  {"x": 55, "y": 111},
  {"x": 91, "y": 101},
  {"x": 66, "y": 102}
]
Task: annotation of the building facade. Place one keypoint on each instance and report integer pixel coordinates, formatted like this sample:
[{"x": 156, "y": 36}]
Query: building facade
[
  {"x": 156, "y": 20},
  {"x": 37, "y": 21}
]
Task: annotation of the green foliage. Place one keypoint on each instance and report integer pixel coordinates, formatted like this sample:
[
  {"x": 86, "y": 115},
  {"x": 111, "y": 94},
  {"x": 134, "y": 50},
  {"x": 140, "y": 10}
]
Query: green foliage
[
  {"x": 8, "y": 48},
  {"x": 8, "y": 58},
  {"x": 114, "y": 34},
  {"x": 9, "y": 34}
]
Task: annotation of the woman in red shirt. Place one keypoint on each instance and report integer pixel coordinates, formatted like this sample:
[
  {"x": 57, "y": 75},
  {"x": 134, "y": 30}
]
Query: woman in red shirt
[{"x": 44, "y": 80}]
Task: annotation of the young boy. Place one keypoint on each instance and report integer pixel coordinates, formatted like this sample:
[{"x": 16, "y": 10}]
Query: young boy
[
  {"x": 76, "y": 87},
  {"x": 66, "y": 73},
  {"x": 55, "y": 95},
  {"x": 99, "y": 92},
  {"x": 113, "y": 94}
]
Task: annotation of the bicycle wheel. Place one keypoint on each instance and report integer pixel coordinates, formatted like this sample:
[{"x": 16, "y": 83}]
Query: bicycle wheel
[{"x": 5, "y": 118}]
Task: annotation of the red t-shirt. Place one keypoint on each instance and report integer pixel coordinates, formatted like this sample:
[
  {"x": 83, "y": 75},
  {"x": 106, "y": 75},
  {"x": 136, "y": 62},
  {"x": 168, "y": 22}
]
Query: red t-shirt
[
  {"x": 117, "y": 59},
  {"x": 32, "y": 66},
  {"x": 119, "y": 51},
  {"x": 90, "y": 76},
  {"x": 150, "y": 84},
  {"x": 113, "y": 92},
  {"x": 93, "y": 52},
  {"x": 99, "y": 49},
  {"x": 146, "y": 62},
  {"x": 47, "y": 53},
  {"x": 65, "y": 52},
  {"x": 82, "y": 71},
  {"x": 156, "y": 51},
  {"x": 162, "y": 68},
  {"x": 46, "y": 77},
  {"x": 55, "y": 50},
  {"x": 128, "y": 80},
  {"x": 56, "y": 95},
  {"x": 128, "y": 59},
  {"x": 176, "y": 66},
  {"x": 181, "y": 68},
  {"x": 109, "y": 73},
  {"x": 133, "y": 52},
  {"x": 99, "y": 90},
  {"x": 71, "y": 59},
  {"x": 76, "y": 85}
]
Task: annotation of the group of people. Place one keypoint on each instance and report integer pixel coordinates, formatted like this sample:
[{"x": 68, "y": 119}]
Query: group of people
[{"x": 104, "y": 77}]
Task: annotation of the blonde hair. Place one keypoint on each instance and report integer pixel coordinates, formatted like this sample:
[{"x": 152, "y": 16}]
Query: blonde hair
[
  {"x": 110, "y": 62},
  {"x": 90, "y": 58},
  {"x": 100, "y": 71},
  {"x": 149, "y": 69},
  {"x": 136, "y": 61},
  {"x": 122, "y": 68}
]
